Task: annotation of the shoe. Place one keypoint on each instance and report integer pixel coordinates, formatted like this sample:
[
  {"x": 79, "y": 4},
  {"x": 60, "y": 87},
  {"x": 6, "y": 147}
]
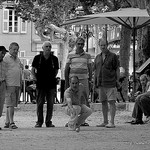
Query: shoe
[
  {"x": 110, "y": 125},
  {"x": 38, "y": 125},
  {"x": 130, "y": 121},
  {"x": 102, "y": 125},
  {"x": 77, "y": 129},
  {"x": 84, "y": 124},
  {"x": 50, "y": 125},
  {"x": 6, "y": 125},
  {"x": 0, "y": 128},
  {"x": 147, "y": 120},
  {"x": 66, "y": 125},
  {"x": 137, "y": 122},
  {"x": 12, "y": 126}
]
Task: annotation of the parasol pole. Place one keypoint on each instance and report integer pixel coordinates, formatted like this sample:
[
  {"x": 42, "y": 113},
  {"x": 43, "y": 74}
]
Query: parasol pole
[{"x": 134, "y": 81}]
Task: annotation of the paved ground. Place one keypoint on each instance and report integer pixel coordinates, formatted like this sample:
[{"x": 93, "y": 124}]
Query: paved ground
[{"x": 26, "y": 137}]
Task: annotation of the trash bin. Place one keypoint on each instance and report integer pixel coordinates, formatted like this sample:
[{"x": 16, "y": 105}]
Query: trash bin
[{"x": 62, "y": 90}]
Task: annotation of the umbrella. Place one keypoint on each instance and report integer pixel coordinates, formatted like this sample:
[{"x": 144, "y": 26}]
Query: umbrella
[{"x": 132, "y": 18}]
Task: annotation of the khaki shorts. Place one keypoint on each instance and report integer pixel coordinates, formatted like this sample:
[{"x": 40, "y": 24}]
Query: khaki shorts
[
  {"x": 107, "y": 94},
  {"x": 12, "y": 96}
]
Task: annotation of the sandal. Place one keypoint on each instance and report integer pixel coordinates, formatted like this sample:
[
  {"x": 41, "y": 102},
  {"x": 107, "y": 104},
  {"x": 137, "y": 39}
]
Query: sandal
[
  {"x": 12, "y": 126},
  {"x": 6, "y": 125}
]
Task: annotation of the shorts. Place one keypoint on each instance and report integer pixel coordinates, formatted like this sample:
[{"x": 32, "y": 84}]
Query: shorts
[
  {"x": 107, "y": 94},
  {"x": 12, "y": 96}
]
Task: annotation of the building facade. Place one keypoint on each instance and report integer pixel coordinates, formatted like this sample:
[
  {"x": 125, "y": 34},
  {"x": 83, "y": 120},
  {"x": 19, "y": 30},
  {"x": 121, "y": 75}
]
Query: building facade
[{"x": 14, "y": 29}]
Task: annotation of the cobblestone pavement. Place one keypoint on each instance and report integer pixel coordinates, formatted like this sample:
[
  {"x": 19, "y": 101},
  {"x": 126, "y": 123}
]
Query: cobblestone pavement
[{"x": 26, "y": 137}]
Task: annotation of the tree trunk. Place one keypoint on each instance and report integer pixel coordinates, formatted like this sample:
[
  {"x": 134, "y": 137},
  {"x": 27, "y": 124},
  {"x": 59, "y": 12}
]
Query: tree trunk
[
  {"x": 139, "y": 47},
  {"x": 124, "y": 58}
]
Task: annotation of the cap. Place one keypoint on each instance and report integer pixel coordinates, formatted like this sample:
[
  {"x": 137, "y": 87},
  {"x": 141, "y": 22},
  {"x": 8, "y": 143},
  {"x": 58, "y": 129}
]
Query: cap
[{"x": 2, "y": 48}]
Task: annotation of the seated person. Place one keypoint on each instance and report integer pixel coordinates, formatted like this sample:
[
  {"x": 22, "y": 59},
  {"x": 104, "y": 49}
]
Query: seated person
[
  {"x": 75, "y": 97},
  {"x": 142, "y": 101},
  {"x": 31, "y": 90}
]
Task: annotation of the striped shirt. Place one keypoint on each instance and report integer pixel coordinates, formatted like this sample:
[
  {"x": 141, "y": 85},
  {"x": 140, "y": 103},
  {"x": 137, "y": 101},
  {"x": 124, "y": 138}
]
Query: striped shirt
[
  {"x": 79, "y": 64},
  {"x": 2, "y": 71}
]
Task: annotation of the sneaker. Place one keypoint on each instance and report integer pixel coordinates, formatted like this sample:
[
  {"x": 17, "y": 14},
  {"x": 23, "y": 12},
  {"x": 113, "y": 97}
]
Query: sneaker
[
  {"x": 12, "y": 126},
  {"x": 137, "y": 122},
  {"x": 38, "y": 125},
  {"x": 50, "y": 125},
  {"x": 110, "y": 125},
  {"x": 6, "y": 125},
  {"x": 102, "y": 125}
]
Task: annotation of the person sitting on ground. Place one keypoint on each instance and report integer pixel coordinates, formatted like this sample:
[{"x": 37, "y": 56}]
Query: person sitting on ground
[
  {"x": 31, "y": 90},
  {"x": 74, "y": 97},
  {"x": 142, "y": 101}
]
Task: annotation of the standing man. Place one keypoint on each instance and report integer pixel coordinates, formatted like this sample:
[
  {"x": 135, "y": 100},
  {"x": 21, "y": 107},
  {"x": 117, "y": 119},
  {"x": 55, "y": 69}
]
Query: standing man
[
  {"x": 79, "y": 64},
  {"x": 44, "y": 69},
  {"x": 74, "y": 97},
  {"x": 13, "y": 83},
  {"x": 106, "y": 67},
  {"x": 2, "y": 78}
]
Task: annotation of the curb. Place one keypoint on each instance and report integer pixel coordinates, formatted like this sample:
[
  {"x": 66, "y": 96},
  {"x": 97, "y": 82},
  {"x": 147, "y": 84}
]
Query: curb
[{"x": 98, "y": 106}]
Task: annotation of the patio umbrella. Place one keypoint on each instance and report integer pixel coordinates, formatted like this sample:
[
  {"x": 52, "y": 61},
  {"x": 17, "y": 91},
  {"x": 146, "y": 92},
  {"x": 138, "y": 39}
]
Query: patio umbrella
[{"x": 132, "y": 18}]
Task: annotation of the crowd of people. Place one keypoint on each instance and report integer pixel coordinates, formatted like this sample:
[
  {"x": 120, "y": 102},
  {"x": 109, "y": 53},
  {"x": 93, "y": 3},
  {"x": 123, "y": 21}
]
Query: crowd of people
[{"x": 80, "y": 73}]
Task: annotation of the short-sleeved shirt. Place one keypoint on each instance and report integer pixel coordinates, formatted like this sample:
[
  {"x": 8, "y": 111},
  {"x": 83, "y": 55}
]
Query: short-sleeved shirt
[
  {"x": 79, "y": 64},
  {"x": 46, "y": 71},
  {"x": 77, "y": 98},
  {"x": 106, "y": 70},
  {"x": 14, "y": 71}
]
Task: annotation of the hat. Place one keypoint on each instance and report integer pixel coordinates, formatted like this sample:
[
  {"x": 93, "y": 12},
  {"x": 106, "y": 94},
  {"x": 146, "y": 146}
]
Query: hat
[{"x": 2, "y": 48}]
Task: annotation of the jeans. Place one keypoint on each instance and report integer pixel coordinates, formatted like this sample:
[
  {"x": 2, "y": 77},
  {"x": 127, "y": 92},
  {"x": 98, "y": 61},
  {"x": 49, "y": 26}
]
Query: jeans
[{"x": 49, "y": 96}]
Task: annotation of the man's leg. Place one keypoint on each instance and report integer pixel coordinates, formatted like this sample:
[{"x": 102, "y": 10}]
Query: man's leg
[
  {"x": 112, "y": 111},
  {"x": 111, "y": 97},
  {"x": 105, "y": 111},
  {"x": 85, "y": 83},
  {"x": 40, "y": 102},
  {"x": 103, "y": 99},
  {"x": 11, "y": 114},
  {"x": 12, "y": 96},
  {"x": 84, "y": 114},
  {"x": 50, "y": 97},
  {"x": 73, "y": 117},
  {"x": 2, "y": 97}
]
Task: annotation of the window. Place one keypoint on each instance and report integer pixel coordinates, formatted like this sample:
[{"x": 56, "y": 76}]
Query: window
[
  {"x": 12, "y": 23},
  {"x": 22, "y": 54}
]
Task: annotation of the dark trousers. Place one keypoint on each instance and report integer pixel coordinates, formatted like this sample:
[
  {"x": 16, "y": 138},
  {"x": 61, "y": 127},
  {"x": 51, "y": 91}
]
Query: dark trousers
[
  {"x": 42, "y": 95},
  {"x": 31, "y": 92},
  {"x": 142, "y": 106}
]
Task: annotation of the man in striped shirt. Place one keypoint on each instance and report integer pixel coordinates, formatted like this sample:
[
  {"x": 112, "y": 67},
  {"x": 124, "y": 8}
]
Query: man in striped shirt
[
  {"x": 79, "y": 64},
  {"x": 2, "y": 78}
]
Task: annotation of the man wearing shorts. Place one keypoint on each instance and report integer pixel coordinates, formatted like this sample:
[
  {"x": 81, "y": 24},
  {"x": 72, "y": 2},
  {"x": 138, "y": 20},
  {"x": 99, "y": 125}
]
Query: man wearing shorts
[
  {"x": 13, "y": 83},
  {"x": 106, "y": 67},
  {"x": 2, "y": 78}
]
